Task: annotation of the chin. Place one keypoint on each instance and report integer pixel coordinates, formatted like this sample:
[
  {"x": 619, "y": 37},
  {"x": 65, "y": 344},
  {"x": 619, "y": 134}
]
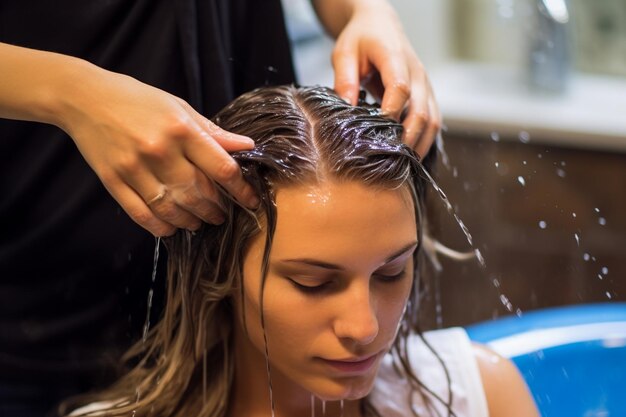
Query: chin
[{"x": 346, "y": 390}]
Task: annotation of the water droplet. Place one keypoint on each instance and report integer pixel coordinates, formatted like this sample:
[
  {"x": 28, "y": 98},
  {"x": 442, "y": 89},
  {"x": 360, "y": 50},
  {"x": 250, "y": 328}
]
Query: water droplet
[
  {"x": 602, "y": 221},
  {"x": 608, "y": 295},
  {"x": 597, "y": 210},
  {"x": 560, "y": 173},
  {"x": 577, "y": 238},
  {"x": 539, "y": 155},
  {"x": 518, "y": 312},
  {"x": 542, "y": 224},
  {"x": 506, "y": 303},
  {"x": 495, "y": 136},
  {"x": 502, "y": 168},
  {"x": 600, "y": 277},
  {"x": 586, "y": 257},
  {"x": 323, "y": 407},
  {"x": 480, "y": 258},
  {"x": 605, "y": 270},
  {"x": 455, "y": 172},
  {"x": 155, "y": 262},
  {"x": 521, "y": 180},
  {"x": 496, "y": 283},
  {"x": 573, "y": 214},
  {"x": 563, "y": 163},
  {"x": 524, "y": 162},
  {"x": 524, "y": 136}
]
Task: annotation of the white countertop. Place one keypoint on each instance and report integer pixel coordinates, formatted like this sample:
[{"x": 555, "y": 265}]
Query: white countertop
[{"x": 483, "y": 99}]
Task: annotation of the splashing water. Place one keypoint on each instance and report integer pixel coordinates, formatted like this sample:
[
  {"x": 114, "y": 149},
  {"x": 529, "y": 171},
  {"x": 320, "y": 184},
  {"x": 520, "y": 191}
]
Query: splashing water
[
  {"x": 450, "y": 209},
  {"x": 146, "y": 326},
  {"x": 442, "y": 151},
  {"x": 506, "y": 303}
]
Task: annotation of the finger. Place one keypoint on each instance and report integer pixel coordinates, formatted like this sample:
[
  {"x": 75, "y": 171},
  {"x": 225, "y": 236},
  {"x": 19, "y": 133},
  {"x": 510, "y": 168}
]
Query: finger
[
  {"x": 207, "y": 154},
  {"x": 413, "y": 123},
  {"x": 136, "y": 208},
  {"x": 395, "y": 78},
  {"x": 416, "y": 117},
  {"x": 427, "y": 138},
  {"x": 346, "y": 67},
  {"x": 166, "y": 209},
  {"x": 231, "y": 142},
  {"x": 199, "y": 197},
  {"x": 160, "y": 197},
  {"x": 184, "y": 195}
]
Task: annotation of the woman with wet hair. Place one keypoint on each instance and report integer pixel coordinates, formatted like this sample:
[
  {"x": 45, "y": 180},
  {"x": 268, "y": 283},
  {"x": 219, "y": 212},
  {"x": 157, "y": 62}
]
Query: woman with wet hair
[{"x": 308, "y": 305}]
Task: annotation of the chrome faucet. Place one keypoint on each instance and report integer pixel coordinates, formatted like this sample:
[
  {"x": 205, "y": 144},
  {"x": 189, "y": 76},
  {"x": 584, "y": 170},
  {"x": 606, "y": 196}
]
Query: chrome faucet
[{"x": 549, "y": 60}]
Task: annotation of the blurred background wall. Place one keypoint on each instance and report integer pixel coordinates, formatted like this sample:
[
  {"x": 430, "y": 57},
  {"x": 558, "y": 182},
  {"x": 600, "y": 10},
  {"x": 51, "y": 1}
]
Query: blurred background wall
[{"x": 533, "y": 95}]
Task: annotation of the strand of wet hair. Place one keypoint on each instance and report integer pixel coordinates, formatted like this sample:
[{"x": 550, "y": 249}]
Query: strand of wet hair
[{"x": 270, "y": 212}]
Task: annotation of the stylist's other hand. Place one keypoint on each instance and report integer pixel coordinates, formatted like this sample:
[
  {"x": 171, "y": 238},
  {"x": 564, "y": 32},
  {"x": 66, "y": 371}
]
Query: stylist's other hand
[
  {"x": 155, "y": 154},
  {"x": 373, "y": 51}
]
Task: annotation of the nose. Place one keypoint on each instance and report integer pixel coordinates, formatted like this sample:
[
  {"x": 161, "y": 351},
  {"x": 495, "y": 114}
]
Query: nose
[{"x": 357, "y": 320}]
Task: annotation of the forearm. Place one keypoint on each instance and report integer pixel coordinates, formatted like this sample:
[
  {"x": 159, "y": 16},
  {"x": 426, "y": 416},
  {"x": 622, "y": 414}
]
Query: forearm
[
  {"x": 34, "y": 84},
  {"x": 335, "y": 14}
]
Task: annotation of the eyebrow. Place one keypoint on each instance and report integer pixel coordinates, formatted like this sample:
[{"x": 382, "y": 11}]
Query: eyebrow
[{"x": 327, "y": 265}]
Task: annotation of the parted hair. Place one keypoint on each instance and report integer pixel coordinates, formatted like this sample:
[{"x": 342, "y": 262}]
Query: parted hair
[{"x": 302, "y": 135}]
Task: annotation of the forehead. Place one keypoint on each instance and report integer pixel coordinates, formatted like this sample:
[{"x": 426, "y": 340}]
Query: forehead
[{"x": 342, "y": 221}]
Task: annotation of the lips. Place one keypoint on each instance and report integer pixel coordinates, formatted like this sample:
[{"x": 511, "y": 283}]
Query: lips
[{"x": 354, "y": 366}]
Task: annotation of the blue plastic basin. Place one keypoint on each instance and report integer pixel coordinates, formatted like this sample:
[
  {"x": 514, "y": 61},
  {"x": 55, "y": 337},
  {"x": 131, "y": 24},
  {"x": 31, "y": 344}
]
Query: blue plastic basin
[{"x": 572, "y": 358}]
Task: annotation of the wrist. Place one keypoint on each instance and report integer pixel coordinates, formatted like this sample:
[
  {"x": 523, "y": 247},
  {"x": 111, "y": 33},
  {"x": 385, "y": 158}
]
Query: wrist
[
  {"x": 336, "y": 14},
  {"x": 64, "y": 93}
]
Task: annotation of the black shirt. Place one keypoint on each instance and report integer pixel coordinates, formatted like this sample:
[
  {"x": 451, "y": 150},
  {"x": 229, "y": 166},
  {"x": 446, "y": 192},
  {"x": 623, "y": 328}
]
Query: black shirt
[{"x": 74, "y": 269}]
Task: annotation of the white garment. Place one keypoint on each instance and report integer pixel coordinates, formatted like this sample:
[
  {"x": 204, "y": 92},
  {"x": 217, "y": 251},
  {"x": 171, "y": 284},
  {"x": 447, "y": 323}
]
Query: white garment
[{"x": 392, "y": 395}]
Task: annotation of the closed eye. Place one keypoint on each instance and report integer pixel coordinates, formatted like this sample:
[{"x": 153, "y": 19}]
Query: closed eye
[
  {"x": 391, "y": 278},
  {"x": 309, "y": 289}
]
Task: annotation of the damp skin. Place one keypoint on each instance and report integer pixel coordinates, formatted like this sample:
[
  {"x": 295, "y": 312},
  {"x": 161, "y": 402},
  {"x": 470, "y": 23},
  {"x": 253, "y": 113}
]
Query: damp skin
[{"x": 352, "y": 238}]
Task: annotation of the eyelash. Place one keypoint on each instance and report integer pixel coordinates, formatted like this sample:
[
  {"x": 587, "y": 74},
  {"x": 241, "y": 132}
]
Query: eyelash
[{"x": 388, "y": 279}]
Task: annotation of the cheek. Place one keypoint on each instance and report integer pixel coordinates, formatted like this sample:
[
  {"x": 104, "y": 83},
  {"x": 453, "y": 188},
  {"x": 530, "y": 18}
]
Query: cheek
[
  {"x": 289, "y": 321},
  {"x": 292, "y": 322},
  {"x": 393, "y": 304}
]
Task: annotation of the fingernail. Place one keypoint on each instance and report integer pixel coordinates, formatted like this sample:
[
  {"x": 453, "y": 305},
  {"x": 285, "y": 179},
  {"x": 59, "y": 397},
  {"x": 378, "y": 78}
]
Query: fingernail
[{"x": 245, "y": 140}]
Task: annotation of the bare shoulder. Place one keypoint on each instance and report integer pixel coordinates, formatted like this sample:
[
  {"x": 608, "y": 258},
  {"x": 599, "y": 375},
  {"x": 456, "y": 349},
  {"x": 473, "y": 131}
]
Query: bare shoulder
[{"x": 506, "y": 391}]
